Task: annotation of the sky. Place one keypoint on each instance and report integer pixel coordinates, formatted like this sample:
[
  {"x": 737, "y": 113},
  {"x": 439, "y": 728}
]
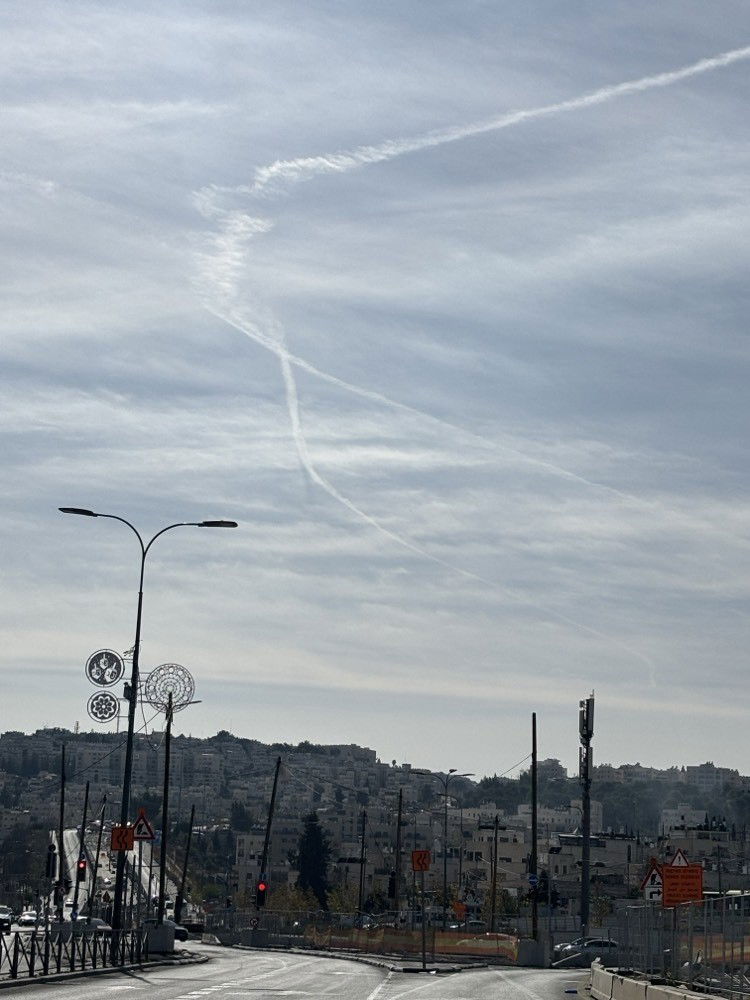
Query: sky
[{"x": 445, "y": 303}]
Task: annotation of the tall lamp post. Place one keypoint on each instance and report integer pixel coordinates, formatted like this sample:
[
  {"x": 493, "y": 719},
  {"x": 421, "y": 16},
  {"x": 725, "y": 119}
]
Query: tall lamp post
[
  {"x": 132, "y": 695},
  {"x": 445, "y": 780}
]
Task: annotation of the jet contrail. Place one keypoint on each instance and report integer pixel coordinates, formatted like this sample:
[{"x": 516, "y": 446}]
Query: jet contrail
[
  {"x": 307, "y": 167},
  {"x": 251, "y": 330},
  {"x": 300, "y": 442},
  {"x": 222, "y": 268}
]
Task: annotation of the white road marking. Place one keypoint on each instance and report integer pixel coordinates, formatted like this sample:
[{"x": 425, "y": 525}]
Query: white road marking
[{"x": 382, "y": 985}]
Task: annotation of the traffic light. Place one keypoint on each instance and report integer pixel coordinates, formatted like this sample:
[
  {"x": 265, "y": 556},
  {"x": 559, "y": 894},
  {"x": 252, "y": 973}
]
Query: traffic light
[
  {"x": 81, "y": 870},
  {"x": 392, "y": 885},
  {"x": 260, "y": 893},
  {"x": 50, "y": 868}
]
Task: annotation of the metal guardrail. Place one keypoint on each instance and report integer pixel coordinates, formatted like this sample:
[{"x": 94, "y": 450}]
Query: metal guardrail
[{"x": 44, "y": 952}]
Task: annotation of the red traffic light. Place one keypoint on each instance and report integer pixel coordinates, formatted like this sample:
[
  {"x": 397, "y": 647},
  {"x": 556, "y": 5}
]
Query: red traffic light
[
  {"x": 262, "y": 886},
  {"x": 81, "y": 870}
]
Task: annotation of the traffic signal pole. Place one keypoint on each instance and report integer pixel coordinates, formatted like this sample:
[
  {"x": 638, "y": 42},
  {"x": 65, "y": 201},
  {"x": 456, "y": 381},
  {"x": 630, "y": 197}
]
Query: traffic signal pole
[
  {"x": 263, "y": 874},
  {"x": 59, "y": 895},
  {"x": 81, "y": 869}
]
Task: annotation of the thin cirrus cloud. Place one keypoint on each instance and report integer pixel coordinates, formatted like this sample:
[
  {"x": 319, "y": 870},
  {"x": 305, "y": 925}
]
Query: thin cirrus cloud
[
  {"x": 225, "y": 267},
  {"x": 478, "y": 426}
]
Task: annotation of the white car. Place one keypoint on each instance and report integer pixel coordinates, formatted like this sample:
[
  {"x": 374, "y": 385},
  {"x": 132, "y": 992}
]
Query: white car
[
  {"x": 90, "y": 925},
  {"x": 27, "y": 919}
]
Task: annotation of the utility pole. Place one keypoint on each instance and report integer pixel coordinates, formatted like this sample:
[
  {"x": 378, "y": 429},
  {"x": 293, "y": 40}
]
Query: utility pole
[
  {"x": 533, "y": 863},
  {"x": 493, "y": 903},
  {"x": 397, "y": 887},
  {"x": 586, "y": 732},
  {"x": 95, "y": 873},
  {"x": 362, "y": 858},
  {"x": 263, "y": 874},
  {"x": 181, "y": 891},
  {"x": 165, "y": 815},
  {"x": 59, "y": 892}
]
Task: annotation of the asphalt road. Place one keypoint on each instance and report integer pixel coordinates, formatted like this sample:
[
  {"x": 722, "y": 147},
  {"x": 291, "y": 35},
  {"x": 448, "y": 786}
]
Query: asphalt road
[{"x": 264, "y": 975}]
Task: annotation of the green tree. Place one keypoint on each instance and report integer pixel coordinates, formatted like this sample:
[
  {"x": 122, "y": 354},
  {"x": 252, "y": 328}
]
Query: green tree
[
  {"x": 240, "y": 818},
  {"x": 313, "y": 856}
]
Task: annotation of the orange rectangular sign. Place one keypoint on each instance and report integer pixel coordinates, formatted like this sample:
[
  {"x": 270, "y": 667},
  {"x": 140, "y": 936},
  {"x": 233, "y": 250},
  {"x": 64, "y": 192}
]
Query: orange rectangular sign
[
  {"x": 681, "y": 884},
  {"x": 122, "y": 838},
  {"x": 420, "y": 861}
]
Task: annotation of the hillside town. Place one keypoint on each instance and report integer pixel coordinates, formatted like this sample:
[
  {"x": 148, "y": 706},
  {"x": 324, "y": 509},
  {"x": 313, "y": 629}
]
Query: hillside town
[{"x": 477, "y": 842}]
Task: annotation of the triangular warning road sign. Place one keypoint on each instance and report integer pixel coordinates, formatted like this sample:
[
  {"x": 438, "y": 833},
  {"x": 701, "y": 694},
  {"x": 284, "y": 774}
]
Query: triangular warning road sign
[
  {"x": 653, "y": 870},
  {"x": 679, "y": 860},
  {"x": 142, "y": 829}
]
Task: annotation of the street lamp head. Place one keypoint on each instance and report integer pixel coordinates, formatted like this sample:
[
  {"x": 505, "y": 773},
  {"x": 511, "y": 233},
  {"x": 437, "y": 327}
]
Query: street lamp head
[
  {"x": 217, "y": 524},
  {"x": 77, "y": 510}
]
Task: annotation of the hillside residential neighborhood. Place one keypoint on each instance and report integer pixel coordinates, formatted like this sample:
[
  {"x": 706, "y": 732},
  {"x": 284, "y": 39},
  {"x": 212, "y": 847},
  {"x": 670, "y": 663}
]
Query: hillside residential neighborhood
[{"x": 355, "y": 797}]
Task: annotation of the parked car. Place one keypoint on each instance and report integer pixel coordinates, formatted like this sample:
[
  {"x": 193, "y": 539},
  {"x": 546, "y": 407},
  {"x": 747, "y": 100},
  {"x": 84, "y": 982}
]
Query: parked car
[
  {"x": 27, "y": 919},
  {"x": 566, "y": 946},
  {"x": 90, "y": 925},
  {"x": 180, "y": 932},
  {"x": 476, "y": 926},
  {"x": 6, "y": 918},
  {"x": 587, "y": 951}
]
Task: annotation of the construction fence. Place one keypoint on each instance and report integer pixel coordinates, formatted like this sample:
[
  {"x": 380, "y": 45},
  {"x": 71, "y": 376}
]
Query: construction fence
[
  {"x": 704, "y": 945},
  {"x": 379, "y": 934}
]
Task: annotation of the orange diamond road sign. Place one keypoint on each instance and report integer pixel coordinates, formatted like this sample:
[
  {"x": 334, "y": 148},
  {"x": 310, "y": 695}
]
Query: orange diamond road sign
[
  {"x": 121, "y": 839},
  {"x": 681, "y": 884},
  {"x": 420, "y": 861}
]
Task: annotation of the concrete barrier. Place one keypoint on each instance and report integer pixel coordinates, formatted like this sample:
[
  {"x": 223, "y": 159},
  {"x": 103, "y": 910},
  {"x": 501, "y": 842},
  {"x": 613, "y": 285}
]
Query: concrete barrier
[
  {"x": 608, "y": 985},
  {"x": 601, "y": 982}
]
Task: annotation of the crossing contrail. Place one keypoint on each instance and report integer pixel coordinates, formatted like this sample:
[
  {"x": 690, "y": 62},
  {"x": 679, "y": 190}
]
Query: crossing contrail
[
  {"x": 230, "y": 256},
  {"x": 306, "y": 167},
  {"x": 300, "y": 442}
]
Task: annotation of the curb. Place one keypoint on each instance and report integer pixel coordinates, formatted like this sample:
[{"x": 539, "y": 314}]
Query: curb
[
  {"x": 391, "y": 964},
  {"x": 61, "y": 977}
]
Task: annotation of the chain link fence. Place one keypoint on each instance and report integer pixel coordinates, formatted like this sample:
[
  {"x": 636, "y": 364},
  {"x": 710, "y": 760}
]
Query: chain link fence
[{"x": 705, "y": 946}]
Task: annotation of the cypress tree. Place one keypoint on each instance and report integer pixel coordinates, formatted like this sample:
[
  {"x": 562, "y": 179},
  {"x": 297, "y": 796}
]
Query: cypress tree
[{"x": 313, "y": 856}]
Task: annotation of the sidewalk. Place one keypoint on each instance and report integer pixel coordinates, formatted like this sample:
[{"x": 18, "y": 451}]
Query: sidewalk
[{"x": 181, "y": 957}]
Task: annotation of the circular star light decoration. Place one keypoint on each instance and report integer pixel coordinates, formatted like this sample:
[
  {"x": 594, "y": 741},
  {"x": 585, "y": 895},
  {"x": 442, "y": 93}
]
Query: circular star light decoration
[
  {"x": 103, "y": 706},
  {"x": 166, "y": 679}
]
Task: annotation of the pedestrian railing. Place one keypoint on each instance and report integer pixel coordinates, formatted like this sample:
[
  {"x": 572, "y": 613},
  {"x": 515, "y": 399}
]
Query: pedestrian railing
[{"x": 44, "y": 952}]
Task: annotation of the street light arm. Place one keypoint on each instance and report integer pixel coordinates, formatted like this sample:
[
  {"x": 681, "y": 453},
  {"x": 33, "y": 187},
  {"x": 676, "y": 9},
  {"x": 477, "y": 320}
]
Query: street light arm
[
  {"x": 136, "y": 532},
  {"x": 178, "y": 524}
]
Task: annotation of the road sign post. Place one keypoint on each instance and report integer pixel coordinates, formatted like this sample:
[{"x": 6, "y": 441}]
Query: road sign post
[{"x": 420, "y": 862}]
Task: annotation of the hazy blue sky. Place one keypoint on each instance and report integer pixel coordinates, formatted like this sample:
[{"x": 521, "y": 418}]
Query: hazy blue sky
[{"x": 445, "y": 303}]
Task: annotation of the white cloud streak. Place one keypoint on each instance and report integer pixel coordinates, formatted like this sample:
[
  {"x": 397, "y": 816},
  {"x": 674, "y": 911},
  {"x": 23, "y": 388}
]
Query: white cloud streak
[
  {"x": 230, "y": 248},
  {"x": 305, "y": 168}
]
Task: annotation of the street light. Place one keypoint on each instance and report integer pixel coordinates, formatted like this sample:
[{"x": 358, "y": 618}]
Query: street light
[
  {"x": 445, "y": 780},
  {"x": 132, "y": 695}
]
